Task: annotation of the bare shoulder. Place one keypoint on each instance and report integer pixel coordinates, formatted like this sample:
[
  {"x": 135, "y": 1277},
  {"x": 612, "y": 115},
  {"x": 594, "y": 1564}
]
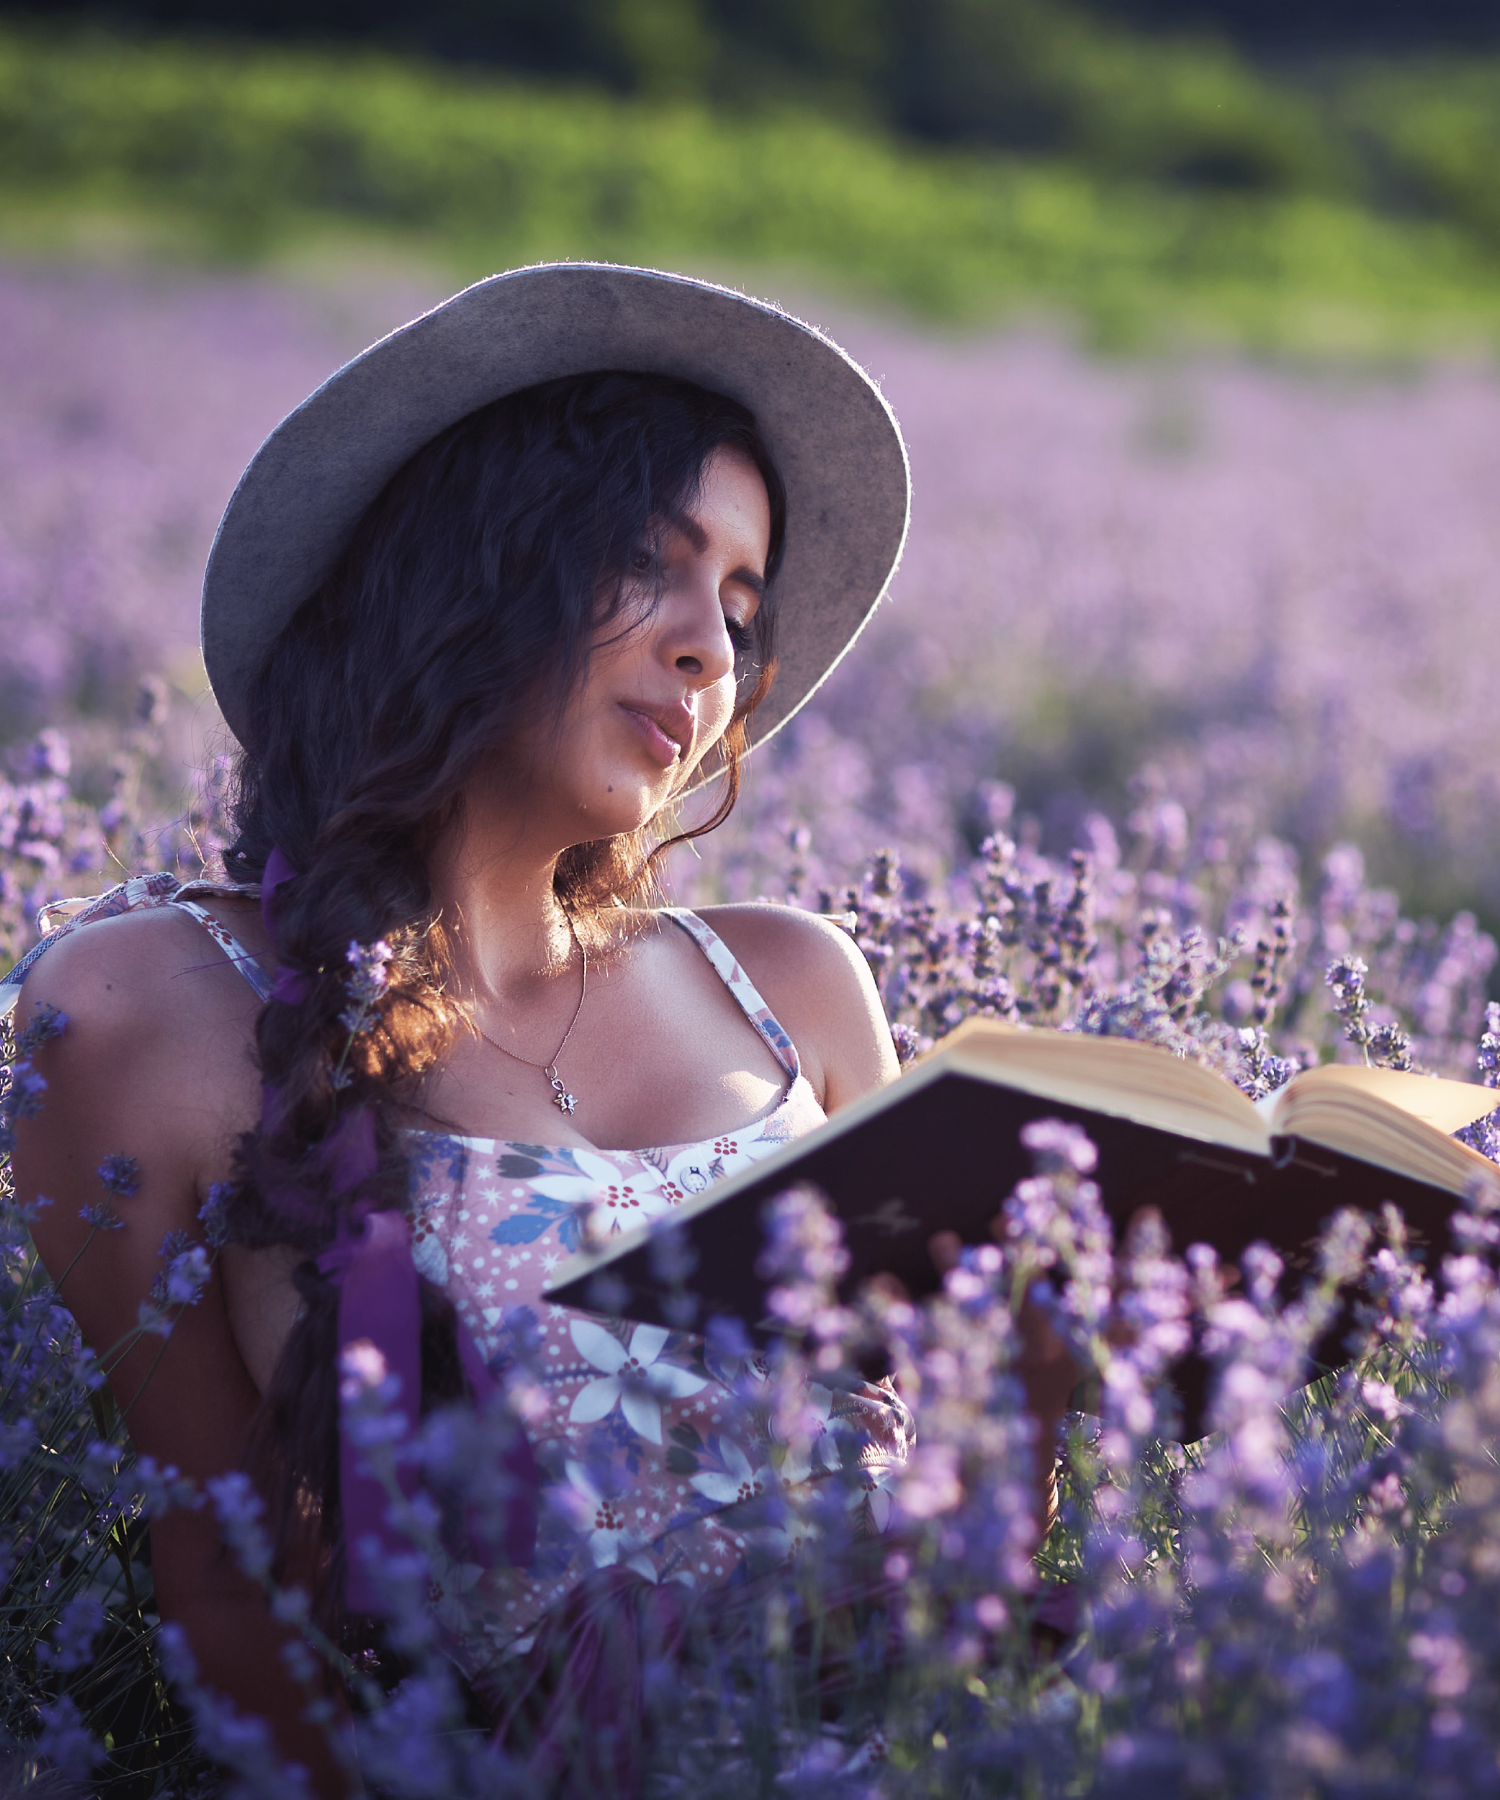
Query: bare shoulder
[
  {"x": 803, "y": 942},
  {"x": 157, "y": 1046},
  {"x": 142, "y": 982},
  {"x": 815, "y": 980}
]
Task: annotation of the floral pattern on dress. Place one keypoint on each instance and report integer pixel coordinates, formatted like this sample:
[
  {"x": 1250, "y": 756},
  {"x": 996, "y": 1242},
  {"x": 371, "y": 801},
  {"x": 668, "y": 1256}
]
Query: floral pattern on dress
[
  {"x": 649, "y": 1450},
  {"x": 259, "y": 980}
]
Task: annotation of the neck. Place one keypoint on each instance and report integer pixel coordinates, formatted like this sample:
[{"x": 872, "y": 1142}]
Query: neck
[{"x": 494, "y": 887}]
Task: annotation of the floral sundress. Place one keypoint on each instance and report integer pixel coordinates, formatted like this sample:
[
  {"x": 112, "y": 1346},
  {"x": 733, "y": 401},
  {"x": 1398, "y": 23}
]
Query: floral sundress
[{"x": 647, "y": 1449}]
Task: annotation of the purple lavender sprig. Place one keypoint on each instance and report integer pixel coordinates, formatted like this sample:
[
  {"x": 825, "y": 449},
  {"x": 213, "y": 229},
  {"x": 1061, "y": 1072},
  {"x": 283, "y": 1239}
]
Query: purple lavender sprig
[
  {"x": 365, "y": 986},
  {"x": 366, "y": 982},
  {"x": 1346, "y": 981},
  {"x": 22, "y": 1088},
  {"x": 1484, "y": 1134},
  {"x": 1263, "y": 1072},
  {"x": 1488, "y": 1057},
  {"x": 72, "y": 1640},
  {"x": 213, "y": 1215},
  {"x": 803, "y": 1260},
  {"x": 120, "y": 1175},
  {"x": 1272, "y": 955},
  {"x": 1384, "y": 1044},
  {"x": 1055, "y": 1221},
  {"x": 187, "y": 1268},
  {"x": 1390, "y": 1046}
]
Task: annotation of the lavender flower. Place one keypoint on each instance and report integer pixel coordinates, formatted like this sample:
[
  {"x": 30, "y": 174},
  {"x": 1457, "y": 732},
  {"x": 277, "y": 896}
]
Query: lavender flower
[
  {"x": 1346, "y": 980},
  {"x": 1272, "y": 955},
  {"x": 240, "y": 1510},
  {"x": 213, "y": 1214},
  {"x": 72, "y": 1641},
  {"x": 1054, "y": 1221},
  {"x": 1483, "y": 1135},
  {"x": 45, "y": 1023},
  {"x": 187, "y": 1273},
  {"x": 1305, "y": 1601},
  {"x": 16, "y": 1439},
  {"x": 803, "y": 1260},
  {"x": 365, "y": 984},
  {"x": 673, "y": 1261},
  {"x": 1262, "y": 1071},
  {"x": 1390, "y": 1046},
  {"x": 157, "y": 1490},
  {"x": 65, "y": 1743},
  {"x": 241, "y": 1744},
  {"x": 22, "y": 1091},
  {"x": 1488, "y": 1058},
  {"x": 120, "y": 1175}
]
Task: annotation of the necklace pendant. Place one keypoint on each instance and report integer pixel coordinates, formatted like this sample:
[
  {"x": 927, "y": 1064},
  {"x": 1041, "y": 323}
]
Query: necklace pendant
[{"x": 561, "y": 1098}]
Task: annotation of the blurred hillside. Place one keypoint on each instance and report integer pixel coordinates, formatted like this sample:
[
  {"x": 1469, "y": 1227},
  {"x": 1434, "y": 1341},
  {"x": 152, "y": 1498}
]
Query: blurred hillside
[
  {"x": 968, "y": 158},
  {"x": 1291, "y": 27},
  {"x": 885, "y": 50},
  {"x": 1241, "y": 94}
]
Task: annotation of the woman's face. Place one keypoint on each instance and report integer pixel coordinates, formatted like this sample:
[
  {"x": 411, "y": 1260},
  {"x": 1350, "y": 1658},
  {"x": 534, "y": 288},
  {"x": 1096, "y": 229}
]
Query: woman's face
[{"x": 659, "y": 690}]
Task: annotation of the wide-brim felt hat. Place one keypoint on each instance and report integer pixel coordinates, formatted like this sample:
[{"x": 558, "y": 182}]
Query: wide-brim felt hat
[{"x": 825, "y": 423}]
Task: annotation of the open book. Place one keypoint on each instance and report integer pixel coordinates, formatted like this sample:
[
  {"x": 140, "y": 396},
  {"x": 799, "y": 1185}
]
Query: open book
[{"x": 939, "y": 1151}]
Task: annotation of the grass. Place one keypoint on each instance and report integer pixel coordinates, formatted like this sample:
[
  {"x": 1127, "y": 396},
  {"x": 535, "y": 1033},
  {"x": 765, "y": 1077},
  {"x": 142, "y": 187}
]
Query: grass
[{"x": 243, "y": 153}]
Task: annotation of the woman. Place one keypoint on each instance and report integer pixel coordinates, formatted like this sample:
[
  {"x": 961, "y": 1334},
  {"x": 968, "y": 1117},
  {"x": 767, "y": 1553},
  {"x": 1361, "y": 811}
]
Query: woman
[{"x": 481, "y": 613}]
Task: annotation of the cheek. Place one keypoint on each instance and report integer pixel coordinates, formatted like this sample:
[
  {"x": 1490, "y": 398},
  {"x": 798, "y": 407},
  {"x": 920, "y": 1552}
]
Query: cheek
[{"x": 716, "y": 709}]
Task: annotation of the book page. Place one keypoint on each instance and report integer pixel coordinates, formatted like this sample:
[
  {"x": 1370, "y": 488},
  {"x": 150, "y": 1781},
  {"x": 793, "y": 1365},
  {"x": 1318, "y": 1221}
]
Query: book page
[
  {"x": 1400, "y": 1122},
  {"x": 1117, "y": 1076},
  {"x": 1446, "y": 1106}
]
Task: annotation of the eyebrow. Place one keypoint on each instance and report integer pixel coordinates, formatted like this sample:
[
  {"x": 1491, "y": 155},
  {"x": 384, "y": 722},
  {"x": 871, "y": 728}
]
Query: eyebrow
[{"x": 698, "y": 538}]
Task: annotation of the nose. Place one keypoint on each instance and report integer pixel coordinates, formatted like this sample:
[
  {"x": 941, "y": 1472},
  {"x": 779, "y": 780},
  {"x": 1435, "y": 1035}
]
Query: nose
[{"x": 694, "y": 637}]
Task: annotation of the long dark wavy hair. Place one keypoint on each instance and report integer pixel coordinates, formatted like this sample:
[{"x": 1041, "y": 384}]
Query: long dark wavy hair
[{"x": 465, "y": 605}]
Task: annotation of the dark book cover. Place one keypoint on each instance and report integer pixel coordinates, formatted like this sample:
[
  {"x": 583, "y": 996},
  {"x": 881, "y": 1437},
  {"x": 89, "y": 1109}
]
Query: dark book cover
[{"x": 944, "y": 1157}]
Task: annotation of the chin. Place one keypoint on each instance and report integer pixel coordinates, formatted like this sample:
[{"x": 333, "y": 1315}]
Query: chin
[{"x": 622, "y": 806}]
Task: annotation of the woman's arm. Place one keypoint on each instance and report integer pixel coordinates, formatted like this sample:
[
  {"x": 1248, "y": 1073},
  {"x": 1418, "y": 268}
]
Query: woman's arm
[{"x": 156, "y": 1065}]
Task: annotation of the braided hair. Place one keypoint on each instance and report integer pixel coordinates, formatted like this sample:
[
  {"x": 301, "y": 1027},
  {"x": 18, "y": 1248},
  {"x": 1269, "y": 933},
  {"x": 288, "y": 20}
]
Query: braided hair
[{"x": 463, "y": 607}]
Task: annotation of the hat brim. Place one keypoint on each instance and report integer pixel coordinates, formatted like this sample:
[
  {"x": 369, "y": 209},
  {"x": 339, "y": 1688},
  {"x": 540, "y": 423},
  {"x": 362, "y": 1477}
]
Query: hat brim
[{"x": 823, "y": 420}]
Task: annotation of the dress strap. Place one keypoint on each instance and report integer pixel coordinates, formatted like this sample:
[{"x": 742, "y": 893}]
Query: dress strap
[
  {"x": 740, "y": 986},
  {"x": 259, "y": 980},
  {"x": 63, "y": 917}
]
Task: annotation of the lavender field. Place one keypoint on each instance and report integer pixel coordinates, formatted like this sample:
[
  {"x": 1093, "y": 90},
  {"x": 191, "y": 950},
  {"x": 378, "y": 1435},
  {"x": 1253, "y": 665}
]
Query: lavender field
[
  {"x": 1276, "y": 588},
  {"x": 1273, "y": 589},
  {"x": 1185, "y": 660}
]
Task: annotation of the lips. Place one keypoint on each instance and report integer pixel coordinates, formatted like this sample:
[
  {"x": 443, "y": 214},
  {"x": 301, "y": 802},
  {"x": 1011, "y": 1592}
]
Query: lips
[{"x": 664, "y": 731}]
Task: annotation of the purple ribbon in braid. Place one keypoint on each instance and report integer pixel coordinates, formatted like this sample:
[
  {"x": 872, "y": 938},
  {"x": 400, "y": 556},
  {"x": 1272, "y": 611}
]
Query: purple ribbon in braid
[
  {"x": 370, "y": 1261},
  {"x": 290, "y": 988}
]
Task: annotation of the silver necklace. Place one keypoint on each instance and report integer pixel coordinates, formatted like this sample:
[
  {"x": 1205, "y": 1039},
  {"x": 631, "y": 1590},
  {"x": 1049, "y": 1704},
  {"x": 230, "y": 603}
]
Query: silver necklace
[{"x": 561, "y": 1098}]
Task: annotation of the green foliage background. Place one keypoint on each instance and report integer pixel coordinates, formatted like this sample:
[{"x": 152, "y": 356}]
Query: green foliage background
[{"x": 1151, "y": 187}]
